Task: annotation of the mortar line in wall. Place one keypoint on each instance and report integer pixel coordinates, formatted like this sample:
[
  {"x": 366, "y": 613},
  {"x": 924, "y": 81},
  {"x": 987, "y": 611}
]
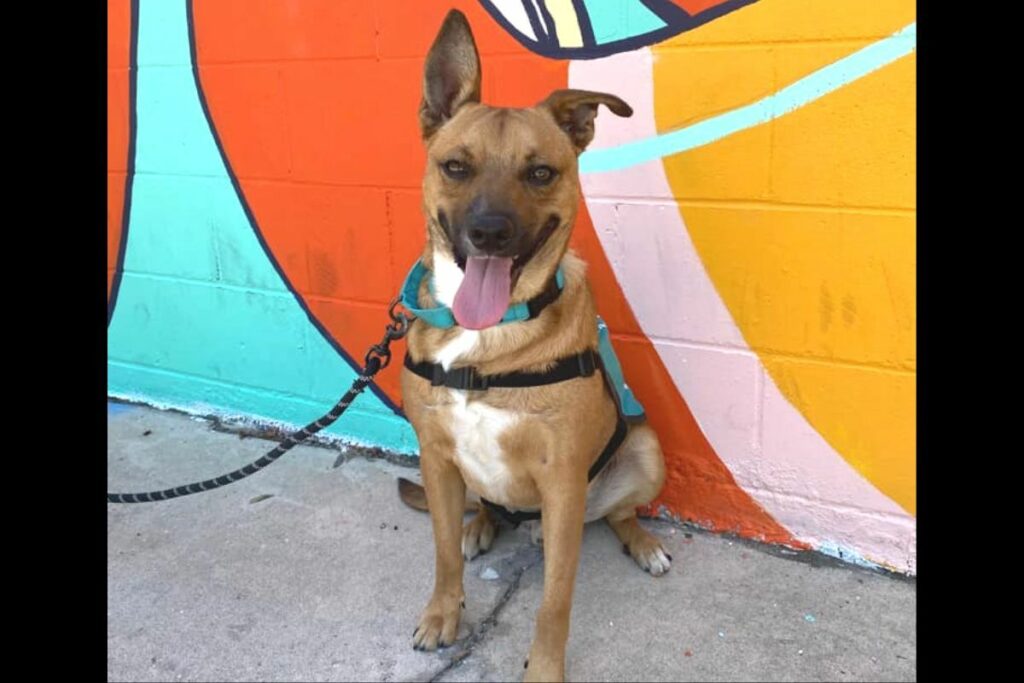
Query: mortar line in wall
[
  {"x": 771, "y": 127},
  {"x": 287, "y": 122},
  {"x": 748, "y": 204},
  {"x": 760, "y": 382},
  {"x": 376, "y": 31},
  {"x": 377, "y": 56},
  {"x": 285, "y": 181},
  {"x": 878, "y": 515},
  {"x": 388, "y": 218},
  {"x": 760, "y": 352},
  {"x": 276, "y": 293},
  {"x": 278, "y": 394},
  {"x": 362, "y": 303},
  {"x": 339, "y": 59},
  {"x": 729, "y": 45},
  {"x": 319, "y": 298}
]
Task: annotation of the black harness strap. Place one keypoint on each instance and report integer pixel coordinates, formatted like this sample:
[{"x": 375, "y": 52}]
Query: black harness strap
[{"x": 468, "y": 379}]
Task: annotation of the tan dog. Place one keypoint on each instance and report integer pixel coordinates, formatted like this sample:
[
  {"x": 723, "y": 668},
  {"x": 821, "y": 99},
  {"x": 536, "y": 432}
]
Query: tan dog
[{"x": 500, "y": 196}]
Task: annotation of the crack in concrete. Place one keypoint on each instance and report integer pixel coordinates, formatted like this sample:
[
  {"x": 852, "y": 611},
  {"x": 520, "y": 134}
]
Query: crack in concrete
[{"x": 532, "y": 556}]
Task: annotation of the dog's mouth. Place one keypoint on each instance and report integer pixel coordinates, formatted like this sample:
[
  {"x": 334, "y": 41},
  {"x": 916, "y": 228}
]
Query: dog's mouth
[{"x": 483, "y": 297}]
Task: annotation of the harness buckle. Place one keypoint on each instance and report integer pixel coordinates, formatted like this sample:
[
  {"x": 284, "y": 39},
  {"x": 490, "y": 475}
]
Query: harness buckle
[
  {"x": 464, "y": 378},
  {"x": 587, "y": 363}
]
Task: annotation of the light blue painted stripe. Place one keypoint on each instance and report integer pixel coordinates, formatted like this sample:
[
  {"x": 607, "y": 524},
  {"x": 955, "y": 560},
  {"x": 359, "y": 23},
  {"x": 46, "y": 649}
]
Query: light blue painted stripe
[
  {"x": 613, "y": 21},
  {"x": 790, "y": 98}
]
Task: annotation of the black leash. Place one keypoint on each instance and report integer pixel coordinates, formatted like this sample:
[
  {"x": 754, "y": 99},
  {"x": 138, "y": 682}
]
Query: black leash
[{"x": 377, "y": 358}]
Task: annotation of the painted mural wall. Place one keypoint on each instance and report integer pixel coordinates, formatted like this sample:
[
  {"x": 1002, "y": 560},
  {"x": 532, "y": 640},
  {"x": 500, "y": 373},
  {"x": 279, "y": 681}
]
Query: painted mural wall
[{"x": 750, "y": 230}]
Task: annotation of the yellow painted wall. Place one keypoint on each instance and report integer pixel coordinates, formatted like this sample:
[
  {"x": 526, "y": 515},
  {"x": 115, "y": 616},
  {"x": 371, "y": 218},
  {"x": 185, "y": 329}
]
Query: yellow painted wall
[{"x": 807, "y": 224}]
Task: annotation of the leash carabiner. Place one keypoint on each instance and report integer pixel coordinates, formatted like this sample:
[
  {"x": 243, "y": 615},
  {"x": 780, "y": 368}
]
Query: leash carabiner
[{"x": 397, "y": 329}]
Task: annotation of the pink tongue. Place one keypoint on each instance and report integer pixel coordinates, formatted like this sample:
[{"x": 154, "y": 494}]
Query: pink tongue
[{"x": 482, "y": 298}]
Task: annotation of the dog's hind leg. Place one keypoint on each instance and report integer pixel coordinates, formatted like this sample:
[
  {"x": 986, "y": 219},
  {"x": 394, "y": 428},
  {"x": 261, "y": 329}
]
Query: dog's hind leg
[
  {"x": 478, "y": 535},
  {"x": 415, "y": 496},
  {"x": 633, "y": 478}
]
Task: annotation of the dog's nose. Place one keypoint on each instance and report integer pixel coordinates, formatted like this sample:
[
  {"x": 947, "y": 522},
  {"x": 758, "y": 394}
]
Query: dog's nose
[{"x": 491, "y": 232}]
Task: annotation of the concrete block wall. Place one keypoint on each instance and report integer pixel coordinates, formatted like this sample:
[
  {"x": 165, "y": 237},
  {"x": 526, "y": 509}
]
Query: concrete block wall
[{"x": 750, "y": 230}]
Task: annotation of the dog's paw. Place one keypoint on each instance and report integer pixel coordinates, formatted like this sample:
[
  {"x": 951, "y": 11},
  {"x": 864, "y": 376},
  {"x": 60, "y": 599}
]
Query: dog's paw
[
  {"x": 536, "y": 531},
  {"x": 545, "y": 669},
  {"x": 438, "y": 625},
  {"x": 648, "y": 553},
  {"x": 478, "y": 535}
]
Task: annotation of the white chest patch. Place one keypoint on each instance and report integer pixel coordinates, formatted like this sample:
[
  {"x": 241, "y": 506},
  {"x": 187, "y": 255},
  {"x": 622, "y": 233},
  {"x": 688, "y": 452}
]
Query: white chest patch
[
  {"x": 462, "y": 343},
  {"x": 447, "y": 278},
  {"x": 477, "y": 428}
]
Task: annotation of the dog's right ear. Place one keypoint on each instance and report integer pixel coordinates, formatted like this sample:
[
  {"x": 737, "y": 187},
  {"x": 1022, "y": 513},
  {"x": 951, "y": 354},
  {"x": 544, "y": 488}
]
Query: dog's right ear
[{"x": 451, "y": 78}]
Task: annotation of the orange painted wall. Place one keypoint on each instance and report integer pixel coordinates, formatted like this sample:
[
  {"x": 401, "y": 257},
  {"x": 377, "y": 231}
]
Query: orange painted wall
[{"x": 118, "y": 55}]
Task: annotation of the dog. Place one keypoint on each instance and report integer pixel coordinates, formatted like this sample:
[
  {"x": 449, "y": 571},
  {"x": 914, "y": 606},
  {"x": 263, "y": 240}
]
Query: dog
[{"x": 500, "y": 195}]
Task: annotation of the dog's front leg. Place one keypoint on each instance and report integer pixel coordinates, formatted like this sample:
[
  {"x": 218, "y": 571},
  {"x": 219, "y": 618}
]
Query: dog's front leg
[
  {"x": 446, "y": 497},
  {"x": 563, "y": 503}
]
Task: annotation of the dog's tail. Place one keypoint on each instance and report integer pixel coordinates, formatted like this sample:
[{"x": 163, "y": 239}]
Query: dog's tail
[{"x": 414, "y": 495}]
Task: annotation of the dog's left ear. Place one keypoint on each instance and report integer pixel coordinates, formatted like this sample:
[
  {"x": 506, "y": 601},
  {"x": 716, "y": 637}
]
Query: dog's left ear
[
  {"x": 451, "y": 77},
  {"x": 575, "y": 111}
]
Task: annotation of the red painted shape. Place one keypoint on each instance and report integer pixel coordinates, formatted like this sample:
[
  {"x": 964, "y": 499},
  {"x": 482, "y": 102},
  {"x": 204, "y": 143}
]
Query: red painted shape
[
  {"x": 693, "y": 7},
  {"x": 322, "y": 134},
  {"x": 118, "y": 57}
]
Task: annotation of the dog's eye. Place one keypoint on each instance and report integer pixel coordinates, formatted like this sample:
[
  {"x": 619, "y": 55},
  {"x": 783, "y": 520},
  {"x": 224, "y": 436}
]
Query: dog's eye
[
  {"x": 453, "y": 168},
  {"x": 541, "y": 175}
]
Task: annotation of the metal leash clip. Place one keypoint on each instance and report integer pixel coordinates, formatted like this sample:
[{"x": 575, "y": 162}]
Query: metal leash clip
[{"x": 399, "y": 327}]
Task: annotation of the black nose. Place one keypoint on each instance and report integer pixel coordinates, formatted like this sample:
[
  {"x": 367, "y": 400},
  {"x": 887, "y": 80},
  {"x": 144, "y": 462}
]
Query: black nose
[{"x": 491, "y": 232}]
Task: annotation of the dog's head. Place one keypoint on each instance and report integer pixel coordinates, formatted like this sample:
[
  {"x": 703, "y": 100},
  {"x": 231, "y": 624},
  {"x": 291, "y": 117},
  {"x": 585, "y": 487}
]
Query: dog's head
[{"x": 501, "y": 186}]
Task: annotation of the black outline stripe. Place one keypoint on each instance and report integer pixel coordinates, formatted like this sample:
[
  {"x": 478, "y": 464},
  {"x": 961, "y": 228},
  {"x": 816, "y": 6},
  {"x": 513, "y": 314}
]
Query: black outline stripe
[
  {"x": 583, "y": 19},
  {"x": 685, "y": 22},
  {"x": 385, "y": 399},
  {"x": 126, "y": 209},
  {"x": 550, "y": 22},
  {"x": 666, "y": 10},
  {"x": 531, "y": 15}
]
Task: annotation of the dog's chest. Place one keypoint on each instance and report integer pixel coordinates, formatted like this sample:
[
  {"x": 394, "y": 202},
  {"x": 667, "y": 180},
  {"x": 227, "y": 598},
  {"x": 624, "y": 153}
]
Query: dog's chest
[{"x": 477, "y": 428}]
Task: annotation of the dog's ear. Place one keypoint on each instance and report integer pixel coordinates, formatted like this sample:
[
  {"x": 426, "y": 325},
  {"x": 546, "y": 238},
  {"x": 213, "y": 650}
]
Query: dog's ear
[
  {"x": 451, "y": 78},
  {"x": 575, "y": 111}
]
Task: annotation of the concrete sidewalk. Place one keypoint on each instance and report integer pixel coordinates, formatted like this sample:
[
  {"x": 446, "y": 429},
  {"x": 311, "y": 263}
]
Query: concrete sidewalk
[{"x": 313, "y": 570}]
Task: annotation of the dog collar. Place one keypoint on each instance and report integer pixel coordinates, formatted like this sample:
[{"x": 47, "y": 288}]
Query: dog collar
[{"x": 441, "y": 316}]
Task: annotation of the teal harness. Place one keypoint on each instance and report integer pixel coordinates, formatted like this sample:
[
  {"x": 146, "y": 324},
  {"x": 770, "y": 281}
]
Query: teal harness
[
  {"x": 441, "y": 316},
  {"x": 582, "y": 364}
]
